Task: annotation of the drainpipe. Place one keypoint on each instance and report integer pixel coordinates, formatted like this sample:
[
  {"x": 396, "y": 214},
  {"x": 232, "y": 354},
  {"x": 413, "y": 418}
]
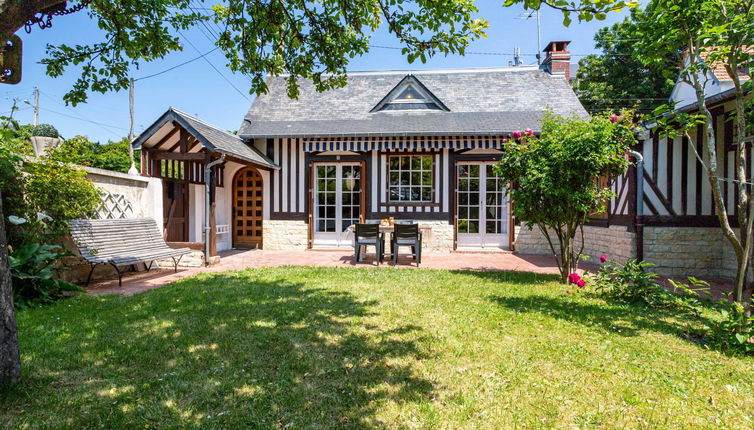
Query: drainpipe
[
  {"x": 639, "y": 219},
  {"x": 207, "y": 205}
]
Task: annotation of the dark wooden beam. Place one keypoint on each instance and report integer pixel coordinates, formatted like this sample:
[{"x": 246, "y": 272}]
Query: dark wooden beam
[
  {"x": 196, "y": 156},
  {"x": 167, "y": 137}
]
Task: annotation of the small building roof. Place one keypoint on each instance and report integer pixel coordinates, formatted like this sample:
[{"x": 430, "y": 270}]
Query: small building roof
[
  {"x": 479, "y": 101},
  {"x": 209, "y": 136}
]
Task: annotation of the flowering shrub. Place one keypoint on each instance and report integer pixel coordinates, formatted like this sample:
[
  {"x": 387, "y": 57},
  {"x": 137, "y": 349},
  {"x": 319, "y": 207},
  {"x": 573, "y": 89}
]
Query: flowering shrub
[{"x": 555, "y": 176}]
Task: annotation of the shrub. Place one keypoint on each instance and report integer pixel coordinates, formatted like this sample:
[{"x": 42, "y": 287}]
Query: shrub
[
  {"x": 39, "y": 198},
  {"x": 630, "y": 283},
  {"x": 45, "y": 130},
  {"x": 32, "y": 275},
  {"x": 734, "y": 330}
]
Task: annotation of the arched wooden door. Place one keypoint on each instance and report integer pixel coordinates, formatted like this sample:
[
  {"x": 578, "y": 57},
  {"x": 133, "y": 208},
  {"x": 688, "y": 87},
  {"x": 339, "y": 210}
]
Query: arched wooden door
[{"x": 247, "y": 209}]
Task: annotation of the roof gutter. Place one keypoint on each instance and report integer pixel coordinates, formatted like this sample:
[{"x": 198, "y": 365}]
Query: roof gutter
[
  {"x": 208, "y": 205},
  {"x": 639, "y": 217}
]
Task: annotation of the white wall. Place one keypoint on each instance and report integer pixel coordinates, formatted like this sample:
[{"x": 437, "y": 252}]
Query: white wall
[{"x": 144, "y": 194}]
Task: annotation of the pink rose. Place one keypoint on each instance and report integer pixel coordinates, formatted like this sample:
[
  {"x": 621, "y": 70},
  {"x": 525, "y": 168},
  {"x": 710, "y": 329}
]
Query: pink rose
[
  {"x": 603, "y": 258},
  {"x": 516, "y": 134},
  {"x": 529, "y": 132},
  {"x": 581, "y": 283},
  {"x": 574, "y": 278},
  {"x": 568, "y": 291},
  {"x": 613, "y": 118},
  {"x": 505, "y": 140}
]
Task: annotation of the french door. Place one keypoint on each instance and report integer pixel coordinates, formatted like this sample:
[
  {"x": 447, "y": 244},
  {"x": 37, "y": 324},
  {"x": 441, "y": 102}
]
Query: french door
[
  {"x": 337, "y": 203},
  {"x": 481, "y": 207}
]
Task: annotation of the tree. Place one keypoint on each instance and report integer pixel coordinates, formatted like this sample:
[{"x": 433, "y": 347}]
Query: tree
[
  {"x": 307, "y": 39},
  {"x": 556, "y": 176},
  {"x": 81, "y": 151},
  {"x": 618, "y": 78},
  {"x": 304, "y": 38},
  {"x": 712, "y": 33},
  {"x": 10, "y": 360}
]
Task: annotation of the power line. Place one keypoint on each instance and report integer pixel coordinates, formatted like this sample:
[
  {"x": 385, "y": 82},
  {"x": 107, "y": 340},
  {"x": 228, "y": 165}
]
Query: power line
[
  {"x": 215, "y": 68},
  {"x": 84, "y": 119},
  {"x": 179, "y": 65}
]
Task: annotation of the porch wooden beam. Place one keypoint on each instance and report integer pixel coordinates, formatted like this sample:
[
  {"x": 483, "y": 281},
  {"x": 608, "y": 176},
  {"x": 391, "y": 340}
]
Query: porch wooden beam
[
  {"x": 167, "y": 137},
  {"x": 194, "y": 156}
]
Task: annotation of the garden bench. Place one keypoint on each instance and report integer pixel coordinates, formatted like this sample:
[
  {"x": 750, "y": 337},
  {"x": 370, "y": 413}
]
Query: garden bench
[{"x": 122, "y": 242}]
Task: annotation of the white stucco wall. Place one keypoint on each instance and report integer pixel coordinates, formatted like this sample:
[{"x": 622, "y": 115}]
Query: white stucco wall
[{"x": 144, "y": 194}]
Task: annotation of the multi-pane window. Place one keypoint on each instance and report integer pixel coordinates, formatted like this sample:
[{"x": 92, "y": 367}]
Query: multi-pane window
[{"x": 410, "y": 178}]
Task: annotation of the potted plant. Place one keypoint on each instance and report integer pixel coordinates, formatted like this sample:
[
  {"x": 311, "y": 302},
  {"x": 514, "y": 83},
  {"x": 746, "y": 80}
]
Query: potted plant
[{"x": 44, "y": 137}]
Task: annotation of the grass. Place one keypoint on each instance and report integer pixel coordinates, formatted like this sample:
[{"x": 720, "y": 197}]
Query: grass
[{"x": 376, "y": 348}]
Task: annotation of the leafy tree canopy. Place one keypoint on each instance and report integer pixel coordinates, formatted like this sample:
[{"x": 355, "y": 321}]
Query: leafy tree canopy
[
  {"x": 619, "y": 78},
  {"x": 81, "y": 151},
  {"x": 306, "y": 39}
]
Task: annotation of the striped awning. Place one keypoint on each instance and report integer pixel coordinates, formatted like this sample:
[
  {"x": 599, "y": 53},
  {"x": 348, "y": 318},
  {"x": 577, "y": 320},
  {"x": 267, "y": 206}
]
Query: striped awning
[{"x": 380, "y": 143}]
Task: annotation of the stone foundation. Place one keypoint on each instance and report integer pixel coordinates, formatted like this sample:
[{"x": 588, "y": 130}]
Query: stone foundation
[
  {"x": 284, "y": 234},
  {"x": 440, "y": 238},
  {"x": 689, "y": 251},
  {"x": 676, "y": 252},
  {"x": 616, "y": 241}
]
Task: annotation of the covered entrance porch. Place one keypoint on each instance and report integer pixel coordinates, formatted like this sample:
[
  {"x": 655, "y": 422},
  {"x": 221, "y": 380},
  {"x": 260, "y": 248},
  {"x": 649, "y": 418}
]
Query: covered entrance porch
[{"x": 213, "y": 183}]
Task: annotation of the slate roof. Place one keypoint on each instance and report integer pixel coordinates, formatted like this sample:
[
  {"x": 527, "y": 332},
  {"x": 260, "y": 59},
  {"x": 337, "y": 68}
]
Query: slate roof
[
  {"x": 211, "y": 137},
  {"x": 481, "y": 101}
]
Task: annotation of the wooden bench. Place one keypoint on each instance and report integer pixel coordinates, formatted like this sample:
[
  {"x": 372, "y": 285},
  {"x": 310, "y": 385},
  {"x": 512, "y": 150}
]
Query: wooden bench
[{"x": 122, "y": 242}]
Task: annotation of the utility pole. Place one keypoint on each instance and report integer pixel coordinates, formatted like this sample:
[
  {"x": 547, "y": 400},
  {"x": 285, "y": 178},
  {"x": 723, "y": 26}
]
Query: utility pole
[
  {"x": 36, "y": 106},
  {"x": 132, "y": 170}
]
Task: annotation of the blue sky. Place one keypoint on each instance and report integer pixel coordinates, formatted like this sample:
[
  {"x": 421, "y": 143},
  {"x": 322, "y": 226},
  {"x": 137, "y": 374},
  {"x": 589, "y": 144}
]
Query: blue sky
[{"x": 199, "y": 90}]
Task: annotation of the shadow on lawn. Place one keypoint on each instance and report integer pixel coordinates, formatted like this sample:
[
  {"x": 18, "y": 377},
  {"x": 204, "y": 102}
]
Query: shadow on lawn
[
  {"x": 623, "y": 320},
  {"x": 222, "y": 350},
  {"x": 510, "y": 277}
]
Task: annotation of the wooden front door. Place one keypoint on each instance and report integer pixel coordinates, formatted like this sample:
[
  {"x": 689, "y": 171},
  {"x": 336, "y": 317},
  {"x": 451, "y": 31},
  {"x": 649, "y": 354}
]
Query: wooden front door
[
  {"x": 247, "y": 209},
  {"x": 175, "y": 206}
]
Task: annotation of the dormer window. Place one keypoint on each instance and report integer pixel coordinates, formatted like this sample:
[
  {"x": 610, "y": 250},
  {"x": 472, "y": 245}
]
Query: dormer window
[{"x": 409, "y": 94}]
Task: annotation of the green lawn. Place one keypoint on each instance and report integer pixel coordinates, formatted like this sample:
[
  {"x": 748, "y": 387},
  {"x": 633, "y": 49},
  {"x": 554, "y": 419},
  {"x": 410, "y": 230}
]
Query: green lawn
[{"x": 355, "y": 348}]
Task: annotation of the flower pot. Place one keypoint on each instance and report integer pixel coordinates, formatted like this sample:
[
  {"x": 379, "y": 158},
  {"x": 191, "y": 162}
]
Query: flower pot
[{"x": 43, "y": 144}]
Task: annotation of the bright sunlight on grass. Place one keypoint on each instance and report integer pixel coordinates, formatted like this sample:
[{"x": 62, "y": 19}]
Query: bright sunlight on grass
[{"x": 355, "y": 348}]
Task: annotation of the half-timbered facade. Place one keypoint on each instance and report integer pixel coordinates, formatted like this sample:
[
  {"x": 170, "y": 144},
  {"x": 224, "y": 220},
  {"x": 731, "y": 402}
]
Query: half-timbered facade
[
  {"x": 408, "y": 145},
  {"x": 671, "y": 220}
]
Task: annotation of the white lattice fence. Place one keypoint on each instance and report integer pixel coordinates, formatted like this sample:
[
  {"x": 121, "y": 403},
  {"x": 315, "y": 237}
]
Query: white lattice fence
[{"x": 114, "y": 206}]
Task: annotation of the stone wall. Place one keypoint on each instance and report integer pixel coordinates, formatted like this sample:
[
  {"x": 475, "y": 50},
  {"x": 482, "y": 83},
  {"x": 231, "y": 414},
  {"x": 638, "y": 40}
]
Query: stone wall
[
  {"x": 689, "y": 251},
  {"x": 439, "y": 239},
  {"x": 616, "y": 241},
  {"x": 675, "y": 251},
  {"x": 285, "y": 234}
]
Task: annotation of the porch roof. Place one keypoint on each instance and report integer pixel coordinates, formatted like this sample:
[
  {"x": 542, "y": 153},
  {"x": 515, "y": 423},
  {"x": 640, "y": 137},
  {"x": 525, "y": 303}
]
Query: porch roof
[{"x": 161, "y": 135}]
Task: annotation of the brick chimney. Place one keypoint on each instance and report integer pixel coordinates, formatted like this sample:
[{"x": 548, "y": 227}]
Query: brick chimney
[{"x": 558, "y": 59}]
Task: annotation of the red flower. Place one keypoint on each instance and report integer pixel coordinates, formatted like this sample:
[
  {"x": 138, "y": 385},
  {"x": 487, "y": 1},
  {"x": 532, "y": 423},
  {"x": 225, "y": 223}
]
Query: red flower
[
  {"x": 529, "y": 132},
  {"x": 516, "y": 134},
  {"x": 603, "y": 258},
  {"x": 581, "y": 283},
  {"x": 613, "y": 118},
  {"x": 574, "y": 278},
  {"x": 568, "y": 291}
]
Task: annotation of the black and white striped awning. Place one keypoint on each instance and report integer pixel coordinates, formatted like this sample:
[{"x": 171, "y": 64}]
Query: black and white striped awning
[{"x": 386, "y": 143}]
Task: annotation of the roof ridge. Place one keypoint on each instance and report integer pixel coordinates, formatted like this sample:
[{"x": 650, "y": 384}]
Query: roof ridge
[
  {"x": 176, "y": 110},
  {"x": 524, "y": 68}
]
